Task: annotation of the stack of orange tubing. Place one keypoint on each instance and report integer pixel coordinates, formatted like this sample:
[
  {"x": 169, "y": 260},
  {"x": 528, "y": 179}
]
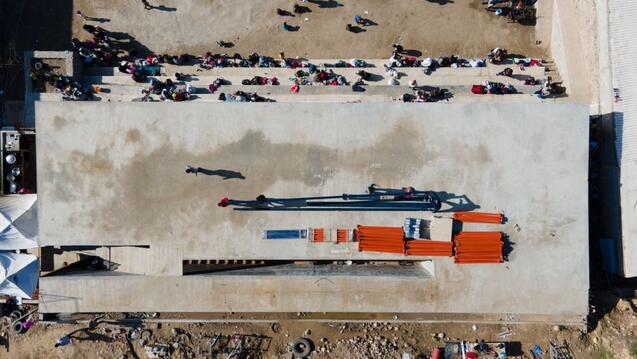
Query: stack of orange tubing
[
  {"x": 341, "y": 235},
  {"x": 478, "y": 217},
  {"x": 429, "y": 248},
  {"x": 478, "y": 247},
  {"x": 319, "y": 234},
  {"x": 381, "y": 239}
]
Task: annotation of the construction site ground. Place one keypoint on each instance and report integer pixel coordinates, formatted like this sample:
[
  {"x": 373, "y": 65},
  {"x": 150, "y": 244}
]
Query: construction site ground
[
  {"x": 431, "y": 27},
  {"x": 613, "y": 336}
]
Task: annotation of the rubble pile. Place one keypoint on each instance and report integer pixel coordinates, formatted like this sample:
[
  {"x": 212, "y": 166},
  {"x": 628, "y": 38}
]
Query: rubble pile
[{"x": 361, "y": 348}]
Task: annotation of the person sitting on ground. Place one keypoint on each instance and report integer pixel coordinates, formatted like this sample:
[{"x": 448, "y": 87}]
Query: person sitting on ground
[
  {"x": 358, "y": 86},
  {"x": 531, "y": 81},
  {"x": 138, "y": 76},
  {"x": 297, "y": 9},
  {"x": 286, "y": 26},
  {"x": 281, "y": 12},
  {"x": 508, "y": 72},
  {"x": 349, "y": 27}
]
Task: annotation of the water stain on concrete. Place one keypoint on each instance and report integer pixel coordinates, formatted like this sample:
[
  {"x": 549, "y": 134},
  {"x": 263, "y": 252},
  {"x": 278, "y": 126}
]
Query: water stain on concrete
[
  {"x": 133, "y": 136},
  {"x": 155, "y": 200},
  {"x": 59, "y": 122}
]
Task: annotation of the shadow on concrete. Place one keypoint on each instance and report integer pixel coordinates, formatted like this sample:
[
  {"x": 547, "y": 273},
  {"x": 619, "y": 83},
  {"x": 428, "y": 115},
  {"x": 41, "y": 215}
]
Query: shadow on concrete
[
  {"x": 441, "y": 2},
  {"x": 374, "y": 78},
  {"x": 125, "y": 41},
  {"x": 367, "y": 22},
  {"x": 282, "y": 12},
  {"x": 507, "y": 247},
  {"x": 456, "y": 202},
  {"x": 412, "y": 52},
  {"x": 292, "y": 28},
  {"x": 163, "y": 8},
  {"x": 98, "y": 19},
  {"x": 356, "y": 29},
  {"x": 225, "y": 174},
  {"x": 325, "y": 4},
  {"x": 300, "y": 9}
]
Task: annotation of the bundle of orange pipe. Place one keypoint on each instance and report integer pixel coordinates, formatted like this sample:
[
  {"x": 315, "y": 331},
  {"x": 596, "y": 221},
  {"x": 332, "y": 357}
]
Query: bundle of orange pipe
[
  {"x": 429, "y": 248},
  {"x": 341, "y": 235},
  {"x": 478, "y": 247},
  {"x": 319, "y": 234},
  {"x": 380, "y": 239},
  {"x": 478, "y": 217}
]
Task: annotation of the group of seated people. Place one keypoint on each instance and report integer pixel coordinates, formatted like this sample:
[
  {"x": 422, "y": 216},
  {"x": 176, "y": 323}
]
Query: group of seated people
[
  {"x": 315, "y": 76},
  {"x": 242, "y": 96},
  {"x": 260, "y": 80},
  {"x": 167, "y": 91},
  {"x": 71, "y": 90},
  {"x": 433, "y": 94},
  {"x": 493, "y": 88},
  {"x": 99, "y": 49},
  {"x": 429, "y": 64}
]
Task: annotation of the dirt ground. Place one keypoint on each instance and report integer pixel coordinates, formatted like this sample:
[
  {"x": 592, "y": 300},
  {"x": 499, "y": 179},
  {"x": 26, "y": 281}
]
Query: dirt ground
[
  {"x": 439, "y": 27},
  {"x": 615, "y": 336}
]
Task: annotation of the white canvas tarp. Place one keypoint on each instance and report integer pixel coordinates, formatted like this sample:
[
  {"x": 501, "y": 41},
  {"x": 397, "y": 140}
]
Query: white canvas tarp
[
  {"x": 18, "y": 274},
  {"x": 18, "y": 222}
]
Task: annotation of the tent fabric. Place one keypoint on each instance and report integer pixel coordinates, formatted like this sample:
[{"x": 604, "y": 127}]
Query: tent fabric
[
  {"x": 18, "y": 222},
  {"x": 18, "y": 274}
]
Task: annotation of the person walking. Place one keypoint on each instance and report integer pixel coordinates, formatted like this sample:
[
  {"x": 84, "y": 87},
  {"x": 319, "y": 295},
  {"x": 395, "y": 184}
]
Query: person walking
[{"x": 81, "y": 15}]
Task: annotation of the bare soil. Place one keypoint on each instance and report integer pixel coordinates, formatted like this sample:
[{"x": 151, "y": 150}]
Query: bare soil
[{"x": 615, "y": 336}]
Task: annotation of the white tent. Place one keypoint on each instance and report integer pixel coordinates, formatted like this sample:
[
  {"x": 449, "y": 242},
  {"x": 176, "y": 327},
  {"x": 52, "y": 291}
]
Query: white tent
[
  {"x": 18, "y": 222},
  {"x": 18, "y": 274}
]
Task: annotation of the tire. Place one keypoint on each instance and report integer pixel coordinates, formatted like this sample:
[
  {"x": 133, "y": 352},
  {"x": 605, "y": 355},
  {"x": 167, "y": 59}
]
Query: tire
[
  {"x": 17, "y": 327},
  {"x": 15, "y": 314},
  {"x": 302, "y": 347}
]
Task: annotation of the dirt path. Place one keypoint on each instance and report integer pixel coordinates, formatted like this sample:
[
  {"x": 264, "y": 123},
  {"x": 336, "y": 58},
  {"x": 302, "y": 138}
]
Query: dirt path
[{"x": 460, "y": 27}]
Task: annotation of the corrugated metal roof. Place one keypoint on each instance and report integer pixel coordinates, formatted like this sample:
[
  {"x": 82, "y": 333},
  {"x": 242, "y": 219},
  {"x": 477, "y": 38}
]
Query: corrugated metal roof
[{"x": 623, "y": 48}]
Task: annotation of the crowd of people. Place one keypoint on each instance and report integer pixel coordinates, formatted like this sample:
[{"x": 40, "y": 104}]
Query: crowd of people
[
  {"x": 101, "y": 50},
  {"x": 168, "y": 91},
  {"x": 433, "y": 94},
  {"x": 242, "y": 96}
]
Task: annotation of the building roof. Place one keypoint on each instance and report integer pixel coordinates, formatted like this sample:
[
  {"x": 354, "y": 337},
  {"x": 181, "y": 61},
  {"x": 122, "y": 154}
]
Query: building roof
[{"x": 113, "y": 174}]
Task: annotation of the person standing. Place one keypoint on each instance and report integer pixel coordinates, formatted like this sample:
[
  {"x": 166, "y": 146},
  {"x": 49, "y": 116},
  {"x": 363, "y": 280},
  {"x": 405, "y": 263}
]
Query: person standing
[
  {"x": 191, "y": 169},
  {"x": 81, "y": 15}
]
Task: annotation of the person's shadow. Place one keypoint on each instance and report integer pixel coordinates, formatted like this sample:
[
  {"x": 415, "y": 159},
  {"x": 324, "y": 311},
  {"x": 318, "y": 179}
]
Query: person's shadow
[
  {"x": 163, "y": 8},
  {"x": 225, "y": 174}
]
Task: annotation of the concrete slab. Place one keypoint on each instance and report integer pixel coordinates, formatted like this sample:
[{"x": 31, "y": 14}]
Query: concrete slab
[{"x": 114, "y": 175}]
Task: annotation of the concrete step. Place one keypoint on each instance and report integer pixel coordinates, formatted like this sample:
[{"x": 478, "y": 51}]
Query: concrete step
[
  {"x": 331, "y": 98},
  {"x": 265, "y": 90},
  {"x": 203, "y": 80},
  {"x": 246, "y": 72}
]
